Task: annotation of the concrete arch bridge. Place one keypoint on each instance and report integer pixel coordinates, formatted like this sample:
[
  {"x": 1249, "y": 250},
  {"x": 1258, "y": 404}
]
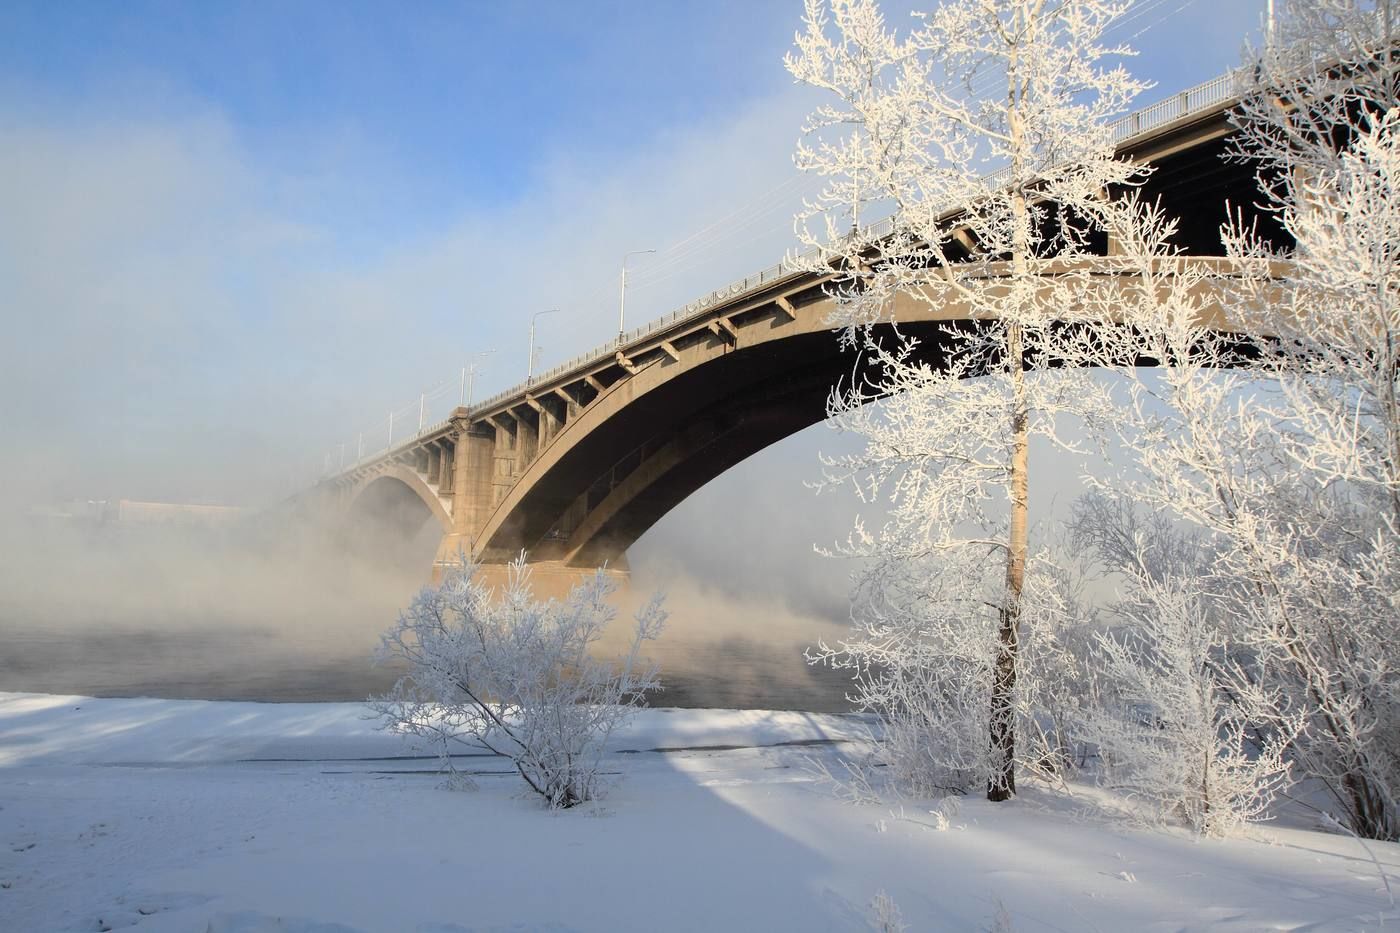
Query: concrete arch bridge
[{"x": 575, "y": 465}]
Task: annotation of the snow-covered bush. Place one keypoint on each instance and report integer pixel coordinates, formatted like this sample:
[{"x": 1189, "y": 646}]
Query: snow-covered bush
[
  {"x": 1178, "y": 717},
  {"x": 513, "y": 675},
  {"x": 885, "y": 916},
  {"x": 1176, "y": 721},
  {"x": 928, "y": 676}
]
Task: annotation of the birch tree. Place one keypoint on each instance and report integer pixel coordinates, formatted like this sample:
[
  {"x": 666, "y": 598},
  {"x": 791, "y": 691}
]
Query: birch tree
[{"x": 983, "y": 129}]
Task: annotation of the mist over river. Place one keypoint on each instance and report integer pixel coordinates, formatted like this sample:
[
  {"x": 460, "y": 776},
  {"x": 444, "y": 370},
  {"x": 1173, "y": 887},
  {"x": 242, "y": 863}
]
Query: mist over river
[
  {"x": 249, "y": 665},
  {"x": 267, "y": 614}
]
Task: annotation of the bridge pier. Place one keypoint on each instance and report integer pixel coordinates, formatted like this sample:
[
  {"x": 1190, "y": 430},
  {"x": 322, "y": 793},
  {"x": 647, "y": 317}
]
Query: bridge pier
[
  {"x": 467, "y": 465},
  {"x": 548, "y": 579}
]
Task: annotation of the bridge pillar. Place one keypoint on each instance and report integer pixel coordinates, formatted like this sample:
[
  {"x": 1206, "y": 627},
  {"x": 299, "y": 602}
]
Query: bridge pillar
[
  {"x": 447, "y": 469},
  {"x": 467, "y": 472},
  {"x": 527, "y": 436},
  {"x": 434, "y": 465}
]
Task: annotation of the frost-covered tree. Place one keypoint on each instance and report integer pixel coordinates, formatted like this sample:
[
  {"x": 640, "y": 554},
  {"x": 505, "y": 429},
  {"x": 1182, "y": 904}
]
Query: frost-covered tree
[
  {"x": 504, "y": 672},
  {"x": 1291, "y": 468},
  {"x": 983, "y": 129},
  {"x": 1176, "y": 712}
]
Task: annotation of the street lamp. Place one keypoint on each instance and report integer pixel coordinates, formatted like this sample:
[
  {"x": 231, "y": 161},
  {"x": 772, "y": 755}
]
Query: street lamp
[
  {"x": 530, "y": 370},
  {"x": 622, "y": 299},
  {"x": 469, "y": 377}
]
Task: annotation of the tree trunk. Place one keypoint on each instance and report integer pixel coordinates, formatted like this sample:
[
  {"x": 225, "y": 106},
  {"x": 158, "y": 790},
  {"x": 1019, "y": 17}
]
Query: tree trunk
[
  {"x": 1001, "y": 751},
  {"x": 1001, "y": 780}
]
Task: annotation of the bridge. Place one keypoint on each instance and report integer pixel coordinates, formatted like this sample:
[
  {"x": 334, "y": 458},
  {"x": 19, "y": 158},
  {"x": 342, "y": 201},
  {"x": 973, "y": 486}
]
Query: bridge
[{"x": 575, "y": 464}]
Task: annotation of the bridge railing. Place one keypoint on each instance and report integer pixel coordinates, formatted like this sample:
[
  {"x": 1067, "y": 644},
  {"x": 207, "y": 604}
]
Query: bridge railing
[{"x": 1208, "y": 95}]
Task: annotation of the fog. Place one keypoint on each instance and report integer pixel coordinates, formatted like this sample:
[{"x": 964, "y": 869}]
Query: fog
[
  {"x": 276, "y": 607},
  {"x": 199, "y": 307},
  {"x": 191, "y": 319}
]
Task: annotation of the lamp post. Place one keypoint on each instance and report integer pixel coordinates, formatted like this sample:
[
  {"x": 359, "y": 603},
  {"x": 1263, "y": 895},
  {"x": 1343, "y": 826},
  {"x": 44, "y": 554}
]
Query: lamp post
[
  {"x": 469, "y": 377},
  {"x": 622, "y": 298},
  {"x": 530, "y": 369}
]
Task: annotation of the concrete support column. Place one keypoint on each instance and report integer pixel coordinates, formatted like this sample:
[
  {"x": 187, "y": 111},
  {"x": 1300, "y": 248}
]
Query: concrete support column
[
  {"x": 446, "y": 471},
  {"x": 546, "y": 421},
  {"x": 468, "y": 467},
  {"x": 434, "y": 464},
  {"x": 505, "y": 452},
  {"x": 527, "y": 437}
]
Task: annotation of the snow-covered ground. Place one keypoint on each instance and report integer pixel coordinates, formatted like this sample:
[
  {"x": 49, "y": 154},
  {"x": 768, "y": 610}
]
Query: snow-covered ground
[{"x": 159, "y": 815}]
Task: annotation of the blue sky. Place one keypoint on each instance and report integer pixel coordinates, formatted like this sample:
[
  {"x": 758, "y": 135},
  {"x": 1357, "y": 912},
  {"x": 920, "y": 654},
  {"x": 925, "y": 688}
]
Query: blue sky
[
  {"x": 237, "y": 234},
  {"x": 449, "y": 106},
  {"x": 461, "y": 101}
]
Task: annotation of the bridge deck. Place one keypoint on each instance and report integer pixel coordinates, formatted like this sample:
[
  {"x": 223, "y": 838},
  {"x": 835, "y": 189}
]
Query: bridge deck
[
  {"x": 1163, "y": 128},
  {"x": 575, "y": 463}
]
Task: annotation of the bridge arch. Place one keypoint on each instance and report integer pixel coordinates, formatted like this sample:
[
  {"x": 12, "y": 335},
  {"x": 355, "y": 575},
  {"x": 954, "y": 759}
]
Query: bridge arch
[
  {"x": 651, "y": 439},
  {"x": 396, "y": 499},
  {"x": 575, "y": 464},
  {"x": 648, "y": 441}
]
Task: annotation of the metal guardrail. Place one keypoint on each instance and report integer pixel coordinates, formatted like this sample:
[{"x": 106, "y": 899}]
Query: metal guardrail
[{"x": 1208, "y": 95}]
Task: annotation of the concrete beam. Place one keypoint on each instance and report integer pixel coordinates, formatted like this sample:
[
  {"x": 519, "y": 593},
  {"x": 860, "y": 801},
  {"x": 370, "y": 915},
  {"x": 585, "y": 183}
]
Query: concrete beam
[
  {"x": 965, "y": 239},
  {"x": 626, "y": 364},
  {"x": 671, "y": 351},
  {"x": 786, "y": 307},
  {"x": 724, "y": 331}
]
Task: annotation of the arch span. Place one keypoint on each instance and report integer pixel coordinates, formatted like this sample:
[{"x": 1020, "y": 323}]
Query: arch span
[
  {"x": 709, "y": 401},
  {"x": 574, "y": 465},
  {"x": 396, "y": 499}
]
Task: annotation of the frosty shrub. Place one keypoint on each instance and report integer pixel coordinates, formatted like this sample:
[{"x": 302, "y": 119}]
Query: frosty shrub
[
  {"x": 927, "y": 673},
  {"x": 1176, "y": 722},
  {"x": 1179, "y": 716},
  {"x": 885, "y": 916},
  {"x": 513, "y": 675}
]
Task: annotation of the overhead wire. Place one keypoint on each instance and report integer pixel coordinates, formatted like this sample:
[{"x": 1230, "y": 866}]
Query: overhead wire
[{"x": 721, "y": 231}]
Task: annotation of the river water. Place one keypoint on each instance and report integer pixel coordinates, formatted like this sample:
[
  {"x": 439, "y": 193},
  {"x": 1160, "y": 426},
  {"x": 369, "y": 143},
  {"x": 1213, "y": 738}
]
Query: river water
[
  {"x": 179, "y": 614},
  {"x": 249, "y": 665}
]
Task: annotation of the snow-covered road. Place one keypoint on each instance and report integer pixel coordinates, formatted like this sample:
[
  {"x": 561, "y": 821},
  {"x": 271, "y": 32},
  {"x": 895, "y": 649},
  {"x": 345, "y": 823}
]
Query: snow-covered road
[{"x": 164, "y": 816}]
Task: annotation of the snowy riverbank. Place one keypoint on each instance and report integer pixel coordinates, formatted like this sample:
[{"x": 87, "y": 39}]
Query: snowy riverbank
[{"x": 163, "y": 816}]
